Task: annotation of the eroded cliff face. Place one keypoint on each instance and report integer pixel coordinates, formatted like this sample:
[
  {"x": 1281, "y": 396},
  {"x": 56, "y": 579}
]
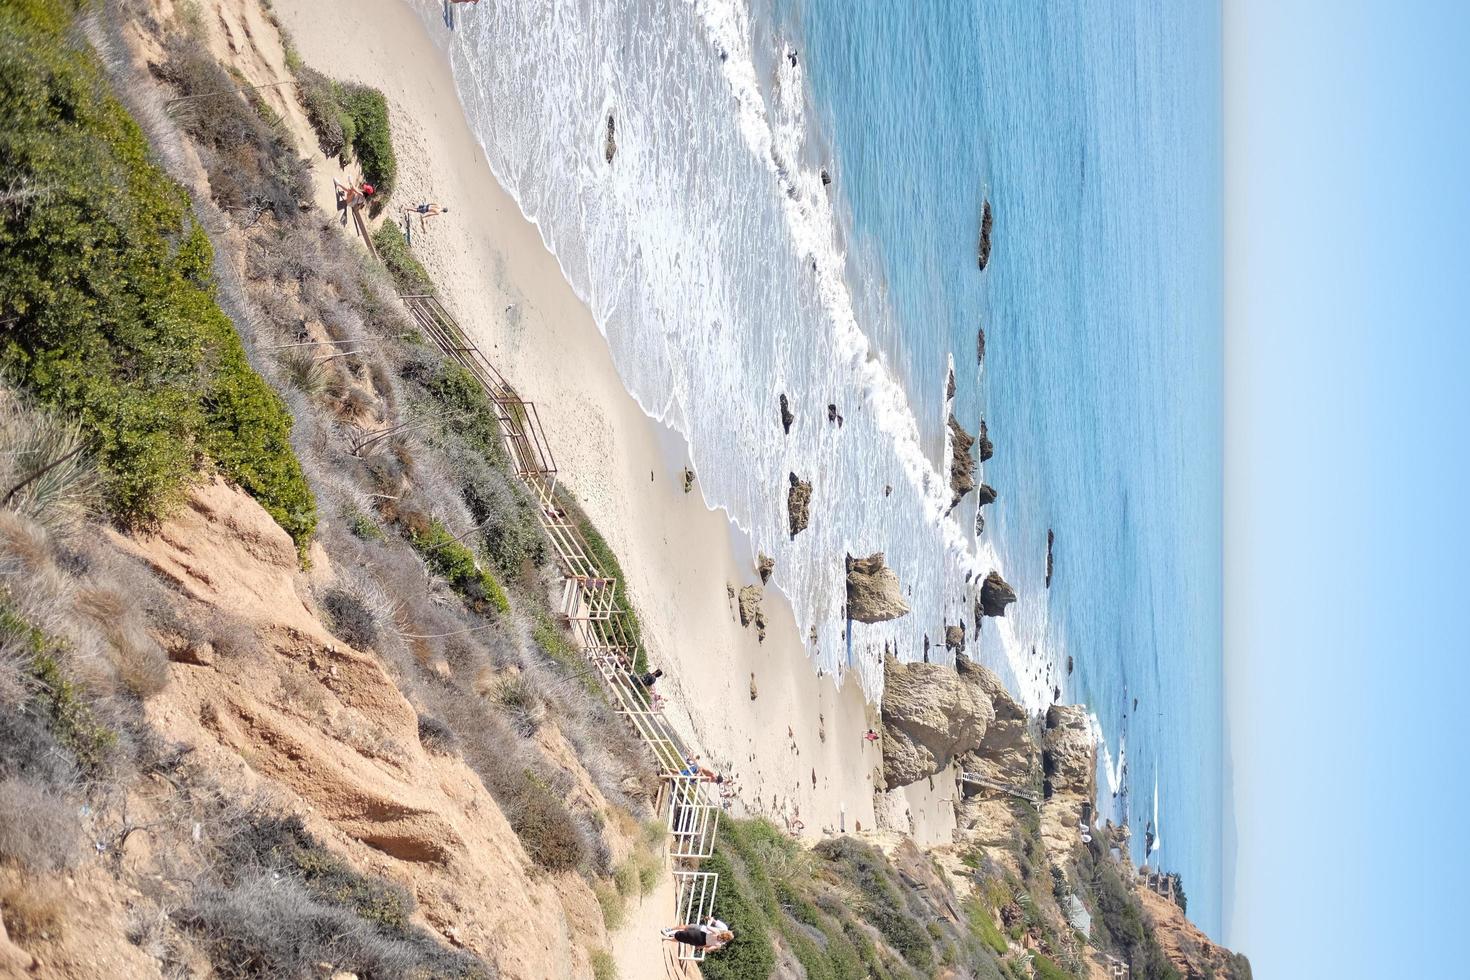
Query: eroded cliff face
[
  {"x": 326, "y": 731},
  {"x": 931, "y": 714}
]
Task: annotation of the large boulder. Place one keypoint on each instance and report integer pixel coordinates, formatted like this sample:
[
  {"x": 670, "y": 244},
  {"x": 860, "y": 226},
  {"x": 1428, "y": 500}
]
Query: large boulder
[
  {"x": 995, "y": 595},
  {"x": 931, "y": 714},
  {"x": 873, "y": 592},
  {"x": 750, "y": 609},
  {"x": 1007, "y": 752},
  {"x": 985, "y": 495},
  {"x": 954, "y": 638},
  {"x": 1069, "y": 751},
  {"x": 961, "y": 463},
  {"x": 798, "y": 500}
]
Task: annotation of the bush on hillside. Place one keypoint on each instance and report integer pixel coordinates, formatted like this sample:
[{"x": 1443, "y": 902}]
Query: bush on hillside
[{"x": 109, "y": 285}]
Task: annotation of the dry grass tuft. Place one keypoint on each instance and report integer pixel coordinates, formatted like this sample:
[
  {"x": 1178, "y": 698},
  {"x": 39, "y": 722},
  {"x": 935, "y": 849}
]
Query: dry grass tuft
[
  {"x": 38, "y": 829},
  {"x": 35, "y": 907},
  {"x": 141, "y": 663}
]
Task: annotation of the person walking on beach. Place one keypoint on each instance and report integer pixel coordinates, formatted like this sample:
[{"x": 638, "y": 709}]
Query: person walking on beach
[{"x": 701, "y": 936}]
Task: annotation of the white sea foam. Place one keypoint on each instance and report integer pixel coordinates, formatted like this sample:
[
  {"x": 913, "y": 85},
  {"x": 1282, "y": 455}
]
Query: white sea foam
[{"x": 710, "y": 255}]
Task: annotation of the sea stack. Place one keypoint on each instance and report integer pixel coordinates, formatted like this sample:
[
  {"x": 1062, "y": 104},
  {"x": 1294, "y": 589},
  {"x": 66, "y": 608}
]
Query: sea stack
[
  {"x": 1050, "y": 540},
  {"x": 986, "y": 220},
  {"x": 987, "y": 448},
  {"x": 961, "y": 463},
  {"x": 985, "y": 495},
  {"x": 995, "y": 595},
  {"x": 949, "y": 387},
  {"x": 873, "y": 592},
  {"x": 798, "y": 499}
]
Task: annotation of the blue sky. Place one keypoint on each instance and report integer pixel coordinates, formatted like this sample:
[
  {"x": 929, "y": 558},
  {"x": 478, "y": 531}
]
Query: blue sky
[{"x": 1347, "y": 379}]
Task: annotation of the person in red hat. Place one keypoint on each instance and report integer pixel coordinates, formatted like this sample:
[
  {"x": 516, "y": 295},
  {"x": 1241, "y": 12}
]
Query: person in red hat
[{"x": 354, "y": 197}]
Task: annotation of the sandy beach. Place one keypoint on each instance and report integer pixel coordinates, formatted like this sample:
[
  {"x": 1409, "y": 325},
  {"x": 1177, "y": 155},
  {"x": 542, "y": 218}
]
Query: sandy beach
[{"x": 796, "y": 747}]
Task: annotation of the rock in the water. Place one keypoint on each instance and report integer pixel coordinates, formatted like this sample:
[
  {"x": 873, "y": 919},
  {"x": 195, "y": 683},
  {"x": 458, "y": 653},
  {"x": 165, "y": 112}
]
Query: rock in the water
[
  {"x": 987, "y": 220},
  {"x": 888, "y": 490},
  {"x": 1050, "y": 540},
  {"x": 985, "y": 495},
  {"x": 873, "y": 592},
  {"x": 954, "y": 638},
  {"x": 987, "y": 449},
  {"x": 765, "y": 564},
  {"x": 787, "y": 417},
  {"x": 826, "y": 178},
  {"x": 980, "y": 346},
  {"x": 1069, "y": 666},
  {"x": 832, "y": 413},
  {"x": 750, "y": 609},
  {"x": 931, "y": 713},
  {"x": 610, "y": 149},
  {"x": 961, "y": 463},
  {"x": 995, "y": 595},
  {"x": 949, "y": 387},
  {"x": 1068, "y": 752},
  {"x": 798, "y": 500}
]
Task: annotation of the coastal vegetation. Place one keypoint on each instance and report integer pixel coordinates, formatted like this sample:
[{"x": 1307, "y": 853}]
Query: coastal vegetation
[
  {"x": 108, "y": 286},
  {"x": 842, "y": 910},
  {"x": 153, "y": 342},
  {"x": 351, "y": 122}
]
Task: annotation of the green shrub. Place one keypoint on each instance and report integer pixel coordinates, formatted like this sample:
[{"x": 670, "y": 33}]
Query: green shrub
[
  {"x": 456, "y": 562},
  {"x": 110, "y": 289},
  {"x": 57, "y": 697},
  {"x": 408, "y": 273},
  {"x": 984, "y": 926},
  {"x": 1046, "y": 969},
  {"x": 604, "y": 967},
  {"x": 372, "y": 140}
]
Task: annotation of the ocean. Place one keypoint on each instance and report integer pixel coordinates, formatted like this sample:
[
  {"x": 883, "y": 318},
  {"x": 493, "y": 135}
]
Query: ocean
[{"x": 725, "y": 271}]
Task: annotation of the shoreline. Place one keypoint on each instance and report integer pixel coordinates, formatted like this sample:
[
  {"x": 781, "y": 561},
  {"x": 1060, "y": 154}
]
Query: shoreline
[{"x": 509, "y": 291}]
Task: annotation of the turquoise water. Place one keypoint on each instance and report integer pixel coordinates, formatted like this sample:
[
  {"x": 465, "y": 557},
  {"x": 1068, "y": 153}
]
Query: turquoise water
[
  {"x": 724, "y": 272},
  {"x": 1094, "y": 129}
]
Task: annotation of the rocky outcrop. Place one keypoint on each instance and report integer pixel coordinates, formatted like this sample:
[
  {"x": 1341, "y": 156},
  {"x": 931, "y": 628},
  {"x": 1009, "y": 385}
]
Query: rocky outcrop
[
  {"x": 985, "y": 495},
  {"x": 987, "y": 448},
  {"x": 987, "y": 220},
  {"x": 995, "y": 595},
  {"x": 954, "y": 638},
  {"x": 787, "y": 417},
  {"x": 1068, "y": 752},
  {"x": 798, "y": 500},
  {"x": 765, "y": 564},
  {"x": 873, "y": 592},
  {"x": 931, "y": 714},
  {"x": 1190, "y": 950},
  {"x": 610, "y": 147},
  {"x": 1007, "y": 752},
  {"x": 750, "y": 609},
  {"x": 949, "y": 387},
  {"x": 961, "y": 463}
]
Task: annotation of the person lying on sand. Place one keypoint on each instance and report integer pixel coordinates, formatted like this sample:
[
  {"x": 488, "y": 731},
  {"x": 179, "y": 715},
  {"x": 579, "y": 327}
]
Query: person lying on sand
[
  {"x": 651, "y": 677},
  {"x": 425, "y": 212},
  {"x": 698, "y": 771},
  {"x": 870, "y": 735},
  {"x": 700, "y": 936}
]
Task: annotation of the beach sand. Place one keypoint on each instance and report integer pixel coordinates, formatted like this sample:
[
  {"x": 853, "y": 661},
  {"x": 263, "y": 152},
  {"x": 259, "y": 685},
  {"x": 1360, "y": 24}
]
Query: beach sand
[{"x": 678, "y": 555}]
